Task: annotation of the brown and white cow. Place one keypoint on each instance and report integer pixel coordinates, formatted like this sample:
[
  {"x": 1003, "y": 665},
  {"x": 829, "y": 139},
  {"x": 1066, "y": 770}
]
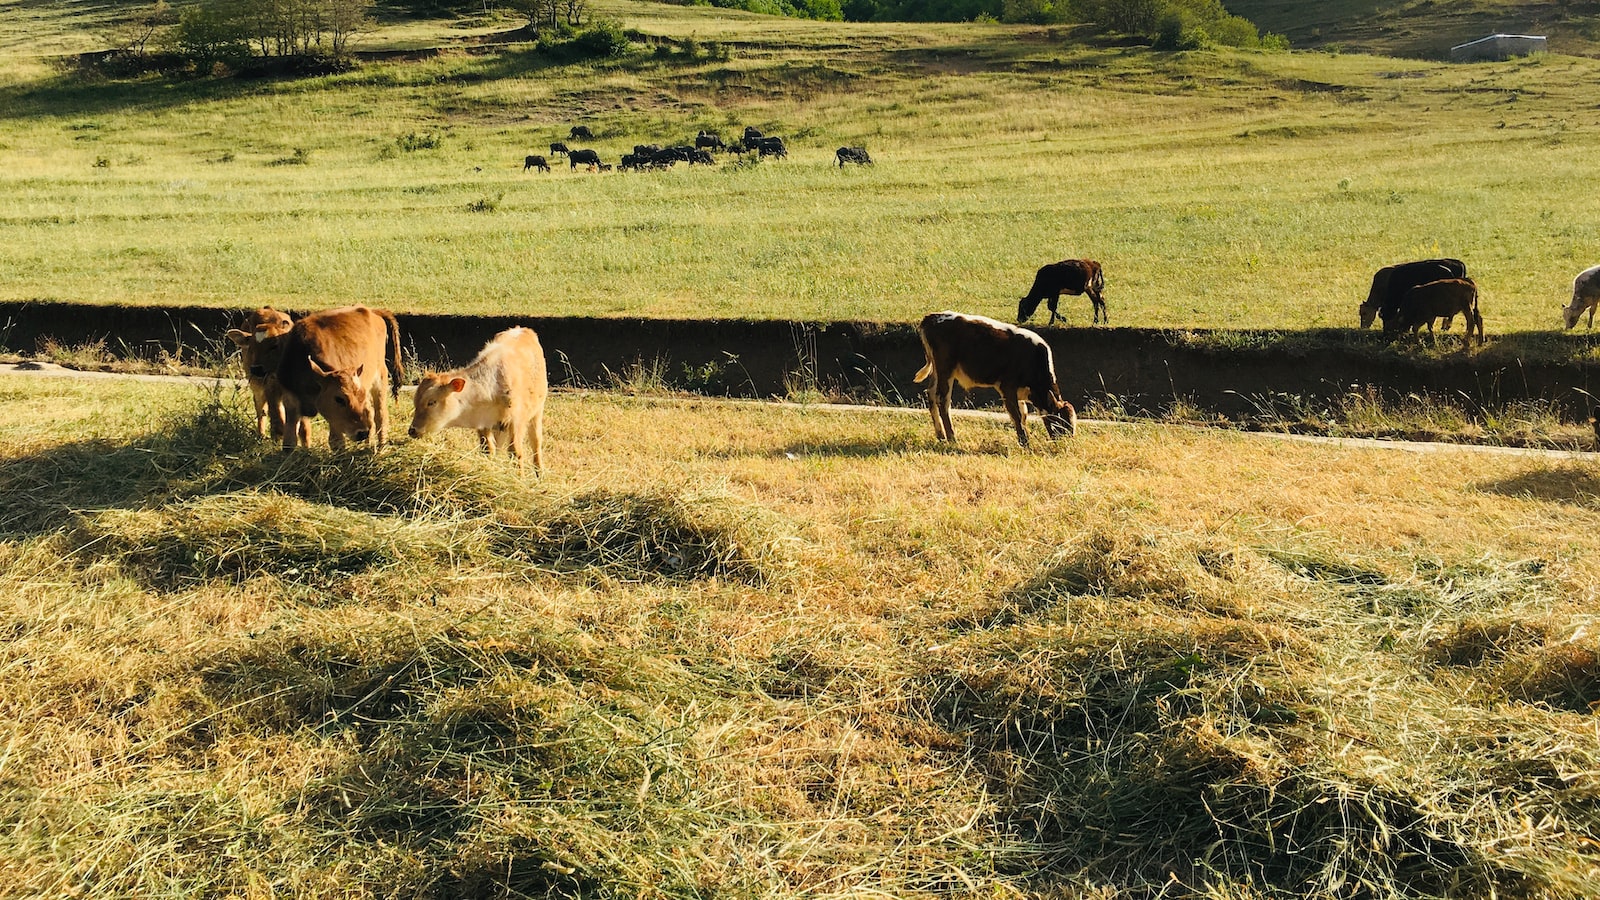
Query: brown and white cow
[
  {"x": 500, "y": 393},
  {"x": 976, "y": 351},
  {"x": 261, "y": 343},
  {"x": 343, "y": 364},
  {"x": 1069, "y": 276}
]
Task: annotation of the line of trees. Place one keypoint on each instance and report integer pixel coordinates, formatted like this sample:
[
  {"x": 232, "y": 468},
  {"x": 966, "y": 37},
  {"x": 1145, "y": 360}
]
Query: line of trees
[
  {"x": 1170, "y": 24},
  {"x": 233, "y": 30}
]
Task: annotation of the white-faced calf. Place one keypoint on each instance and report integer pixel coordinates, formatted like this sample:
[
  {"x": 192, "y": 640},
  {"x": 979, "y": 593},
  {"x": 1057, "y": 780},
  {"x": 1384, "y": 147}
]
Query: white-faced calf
[
  {"x": 500, "y": 394},
  {"x": 976, "y": 351},
  {"x": 344, "y": 364}
]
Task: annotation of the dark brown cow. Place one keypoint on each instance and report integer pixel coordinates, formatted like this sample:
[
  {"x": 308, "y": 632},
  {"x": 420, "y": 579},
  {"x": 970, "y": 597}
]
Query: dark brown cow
[
  {"x": 1442, "y": 299},
  {"x": 1070, "y": 276},
  {"x": 535, "y": 162},
  {"x": 344, "y": 364},
  {"x": 857, "y": 155},
  {"x": 975, "y": 351},
  {"x": 583, "y": 158},
  {"x": 1390, "y": 283},
  {"x": 261, "y": 343},
  {"x": 580, "y": 131},
  {"x": 558, "y": 147}
]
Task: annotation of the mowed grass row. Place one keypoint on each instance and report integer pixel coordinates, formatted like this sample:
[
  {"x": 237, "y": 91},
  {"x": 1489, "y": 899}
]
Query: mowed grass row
[
  {"x": 1219, "y": 189},
  {"x": 763, "y": 651}
]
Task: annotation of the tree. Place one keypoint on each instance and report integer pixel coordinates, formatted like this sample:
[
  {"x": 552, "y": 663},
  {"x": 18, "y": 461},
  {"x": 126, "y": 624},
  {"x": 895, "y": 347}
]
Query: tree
[{"x": 133, "y": 35}]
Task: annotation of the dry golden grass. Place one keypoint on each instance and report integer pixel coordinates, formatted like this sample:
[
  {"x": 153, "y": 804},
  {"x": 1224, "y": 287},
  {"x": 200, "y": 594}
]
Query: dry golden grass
[{"x": 1139, "y": 655}]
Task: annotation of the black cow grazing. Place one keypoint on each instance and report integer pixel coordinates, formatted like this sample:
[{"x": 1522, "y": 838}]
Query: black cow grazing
[
  {"x": 580, "y": 132},
  {"x": 646, "y": 149},
  {"x": 1070, "y": 276},
  {"x": 751, "y": 135},
  {"x": 708, "y": 140},
  {"x": 857, "y": 155},
  {"x": 558, "y": 147},
  {"x": 1390, "y": 283},
  {"x": 535, "y": 162},
  {"x": 737, "y": 148},
  {"x": 1441, "y": 299},
  {"x": 975, "y": 351},
  {"x": 771, "y": 146},
  {"x": 583, "y": 158},
  {"x": 701, "y": 157}
]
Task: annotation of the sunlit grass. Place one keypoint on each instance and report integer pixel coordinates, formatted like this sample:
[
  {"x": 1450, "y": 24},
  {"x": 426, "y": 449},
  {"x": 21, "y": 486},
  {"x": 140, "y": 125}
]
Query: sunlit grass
[
  {"x": 926, "y": 670},
  {"x": 1218, "y": 189}
]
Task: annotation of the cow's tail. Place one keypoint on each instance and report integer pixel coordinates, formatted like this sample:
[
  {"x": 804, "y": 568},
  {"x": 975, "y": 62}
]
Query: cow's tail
[
  {"x": 927, "y": 369},
  {"x": 397, "y": 371}
]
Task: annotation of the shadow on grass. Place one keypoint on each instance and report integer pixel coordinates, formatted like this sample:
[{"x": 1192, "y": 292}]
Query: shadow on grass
[{"x": 1576, "y": 485}]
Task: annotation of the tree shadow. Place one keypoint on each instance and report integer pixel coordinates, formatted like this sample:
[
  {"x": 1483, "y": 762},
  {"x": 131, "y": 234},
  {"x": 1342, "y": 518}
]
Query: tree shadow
[{"x": 1574, "y": 484}]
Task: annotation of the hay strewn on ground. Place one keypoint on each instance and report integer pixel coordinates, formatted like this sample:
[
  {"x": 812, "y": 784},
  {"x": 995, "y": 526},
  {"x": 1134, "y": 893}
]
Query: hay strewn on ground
[{"x": 770, "y": 653}]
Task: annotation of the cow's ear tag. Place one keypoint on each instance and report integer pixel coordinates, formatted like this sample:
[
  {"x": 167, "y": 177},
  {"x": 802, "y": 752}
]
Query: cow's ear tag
[
  {"x": 458, "y": 384},
  {"x": 260, "y": 336}
]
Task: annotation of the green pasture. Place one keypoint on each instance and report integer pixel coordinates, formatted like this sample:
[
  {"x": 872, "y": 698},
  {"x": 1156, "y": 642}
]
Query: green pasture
[{"x": 1219, "y": 189}]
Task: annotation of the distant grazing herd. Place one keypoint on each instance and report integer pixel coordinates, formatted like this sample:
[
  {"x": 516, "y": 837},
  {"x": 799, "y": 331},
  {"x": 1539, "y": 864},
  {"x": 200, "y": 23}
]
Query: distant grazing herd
[
  {"x": 344, "y": 364},
  {"x": 647, "y": 157}
]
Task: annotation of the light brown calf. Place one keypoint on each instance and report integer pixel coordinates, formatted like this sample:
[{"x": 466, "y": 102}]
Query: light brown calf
[
  {"x": 500, "y": 393},
  {"x": 976, "y": 351},
  {"x": 344, "y": 364},
  {"x": 261, "y": 342},
  {"x": 1585, "y": 296}
]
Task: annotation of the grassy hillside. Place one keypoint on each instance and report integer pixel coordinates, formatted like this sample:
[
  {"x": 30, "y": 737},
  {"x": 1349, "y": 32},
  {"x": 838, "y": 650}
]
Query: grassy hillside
[
  {"x": 1424, "y": 28},
  {"x": 1219, "y": 189},
  {"x": 776, "y": 652}
]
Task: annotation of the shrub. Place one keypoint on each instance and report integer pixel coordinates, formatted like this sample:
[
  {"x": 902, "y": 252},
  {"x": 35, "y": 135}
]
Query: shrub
[{"x": 605, "y": 38}]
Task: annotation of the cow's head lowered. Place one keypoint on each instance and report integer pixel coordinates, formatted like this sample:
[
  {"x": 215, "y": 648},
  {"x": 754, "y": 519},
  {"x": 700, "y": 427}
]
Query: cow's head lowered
[
  {"x": 344, "y": 400},
  {"x": 438, "y": 401}
]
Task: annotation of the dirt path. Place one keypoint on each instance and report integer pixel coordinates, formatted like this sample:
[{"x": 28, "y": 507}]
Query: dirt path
[{"x": 51, "y": 370}]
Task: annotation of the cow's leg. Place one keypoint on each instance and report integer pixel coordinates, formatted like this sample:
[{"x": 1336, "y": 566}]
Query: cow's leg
[
  {"x": 486, "y": 440},
  {"x": 514, "y": 442},
  {"x": 1100, "y": 312},
  {"x": 293, "y": 423},
  {"x": 939, "y": 407},
  {"x": 380, "y": 412},
  {"x": 258, "y": 393},
  {"x": 1019, "y": 418},
  {"x": 1054, "y": 314},
  {"x": 536, "y": 439}
]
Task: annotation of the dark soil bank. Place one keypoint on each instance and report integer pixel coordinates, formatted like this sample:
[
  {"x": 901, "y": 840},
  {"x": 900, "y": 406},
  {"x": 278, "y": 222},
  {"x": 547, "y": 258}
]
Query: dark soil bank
[{"x": 1232, "y": 373}]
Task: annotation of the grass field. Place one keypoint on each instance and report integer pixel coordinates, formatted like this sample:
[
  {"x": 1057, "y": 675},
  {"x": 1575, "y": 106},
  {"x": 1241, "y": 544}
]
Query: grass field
[
  {"x": 784, "y": 652},
  {"x": 1219, "y": 189}
]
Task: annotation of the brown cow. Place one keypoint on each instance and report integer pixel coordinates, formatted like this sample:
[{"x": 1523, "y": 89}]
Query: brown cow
[
  {"x": 1442, "y": 299},
  {"x": 342, "y": 363},
  {"x": 261, "y": 342},
  {"x": 501, "y": 392},
  {"x": 1390, "y": 283},
  {"x": 1070, "y": 276},
  {"x": 976, "y": 351}
]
